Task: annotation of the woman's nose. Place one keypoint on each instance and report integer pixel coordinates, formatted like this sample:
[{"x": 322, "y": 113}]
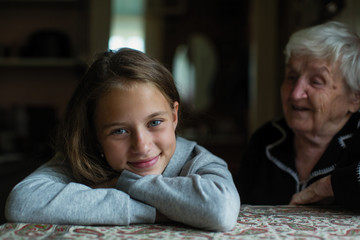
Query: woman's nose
[
  {"x": 299, "y": 89},
  {"x": 141, "y": 142}
]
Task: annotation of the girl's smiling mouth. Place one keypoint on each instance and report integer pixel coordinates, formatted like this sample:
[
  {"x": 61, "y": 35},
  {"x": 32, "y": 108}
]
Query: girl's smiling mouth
[{"x": 146, "y": 163}]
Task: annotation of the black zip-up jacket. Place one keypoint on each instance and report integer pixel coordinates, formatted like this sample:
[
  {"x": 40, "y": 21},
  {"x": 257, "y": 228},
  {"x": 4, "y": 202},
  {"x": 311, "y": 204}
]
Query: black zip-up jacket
[{"x": 268, "y": 175}]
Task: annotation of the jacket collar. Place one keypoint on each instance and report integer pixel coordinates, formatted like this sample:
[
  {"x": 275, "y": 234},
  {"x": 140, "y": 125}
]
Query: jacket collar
[{"x": 281, "y": 152}]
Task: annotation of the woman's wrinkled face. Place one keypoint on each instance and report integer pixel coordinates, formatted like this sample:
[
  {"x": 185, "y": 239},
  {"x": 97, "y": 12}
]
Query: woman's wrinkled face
[
  {"x": 136, "y": 129},
  {"x": 315, "y": 98}
]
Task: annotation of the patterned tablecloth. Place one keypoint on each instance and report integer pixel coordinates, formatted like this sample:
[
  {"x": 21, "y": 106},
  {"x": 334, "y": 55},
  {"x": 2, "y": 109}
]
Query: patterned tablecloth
[{"x": 254, "y": 222}]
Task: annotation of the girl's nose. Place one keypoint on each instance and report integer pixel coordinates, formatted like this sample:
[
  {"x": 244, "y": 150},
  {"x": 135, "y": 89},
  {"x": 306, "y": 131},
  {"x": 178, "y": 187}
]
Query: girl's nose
[{"x": 141, "y": 142}]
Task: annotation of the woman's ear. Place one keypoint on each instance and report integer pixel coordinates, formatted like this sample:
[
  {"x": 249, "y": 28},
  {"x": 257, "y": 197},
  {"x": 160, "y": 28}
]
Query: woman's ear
[
  {"x": 175, "y": 113},
  {"x": 355, "y": 102}
]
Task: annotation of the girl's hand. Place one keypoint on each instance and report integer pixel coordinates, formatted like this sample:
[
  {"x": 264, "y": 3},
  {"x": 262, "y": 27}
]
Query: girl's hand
[
  {"x": 319, "y": 190},
  {"x": 107, "y": 184}
]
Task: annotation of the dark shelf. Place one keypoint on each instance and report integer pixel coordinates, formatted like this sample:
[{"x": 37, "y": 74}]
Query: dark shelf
[{"x": 41, "y": 62}]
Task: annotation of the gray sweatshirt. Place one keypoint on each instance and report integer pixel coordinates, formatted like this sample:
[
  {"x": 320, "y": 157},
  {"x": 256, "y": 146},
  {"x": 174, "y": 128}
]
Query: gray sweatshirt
[{"x": 196, "y": 189}]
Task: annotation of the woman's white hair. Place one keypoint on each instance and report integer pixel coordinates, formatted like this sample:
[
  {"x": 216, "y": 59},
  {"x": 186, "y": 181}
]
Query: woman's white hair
[{"x": 332, "y": 41}]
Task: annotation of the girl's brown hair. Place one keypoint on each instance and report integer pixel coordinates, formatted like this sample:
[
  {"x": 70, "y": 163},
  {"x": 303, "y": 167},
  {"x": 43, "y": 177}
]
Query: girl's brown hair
[{"x": 77, "y": 137}]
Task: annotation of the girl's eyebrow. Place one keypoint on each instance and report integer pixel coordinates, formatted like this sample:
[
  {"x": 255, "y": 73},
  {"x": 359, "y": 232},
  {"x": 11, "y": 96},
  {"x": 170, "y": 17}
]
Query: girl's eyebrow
[
  {"x": 114, "y": 124},
  {"x": 110, "y": 125},
  {"x": 157, "y": 114}
]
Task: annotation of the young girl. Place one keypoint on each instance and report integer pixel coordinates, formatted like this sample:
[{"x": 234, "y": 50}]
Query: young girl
[{"x": 120, "y": 161}]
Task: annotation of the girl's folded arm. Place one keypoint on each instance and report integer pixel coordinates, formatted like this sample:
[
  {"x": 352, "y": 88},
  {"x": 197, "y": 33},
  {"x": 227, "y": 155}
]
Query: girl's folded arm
[
  {"x": 206, "y": 198},
  {"x": 50, "y": 196}
]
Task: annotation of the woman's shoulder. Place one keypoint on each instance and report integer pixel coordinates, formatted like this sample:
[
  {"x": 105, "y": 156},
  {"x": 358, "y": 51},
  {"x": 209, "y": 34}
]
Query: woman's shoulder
[{"x": 271, "y": 130}]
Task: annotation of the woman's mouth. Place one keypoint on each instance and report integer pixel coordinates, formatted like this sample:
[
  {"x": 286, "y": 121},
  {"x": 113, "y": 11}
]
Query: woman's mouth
[
  {"x": 146, "y": 163},
  {"x": 299, "y": 108}
]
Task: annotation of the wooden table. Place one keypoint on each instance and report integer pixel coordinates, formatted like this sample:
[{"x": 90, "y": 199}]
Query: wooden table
[{"x": 254, "y": 222}]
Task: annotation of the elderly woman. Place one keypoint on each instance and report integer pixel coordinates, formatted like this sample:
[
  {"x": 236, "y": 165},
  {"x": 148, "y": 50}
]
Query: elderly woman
[{"x": 311, "y": 155}]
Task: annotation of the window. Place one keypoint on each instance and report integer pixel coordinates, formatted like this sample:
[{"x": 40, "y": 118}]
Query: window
[{"x": 127, "y": 24}]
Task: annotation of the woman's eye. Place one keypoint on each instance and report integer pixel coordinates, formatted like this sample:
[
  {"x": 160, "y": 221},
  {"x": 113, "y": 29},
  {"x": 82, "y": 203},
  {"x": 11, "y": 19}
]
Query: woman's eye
[
  {"x": 291, "y": 78},
  {"x": 119, "y": 131},
  {"x": 155, "y": 123},
  {"x": 317, "y": 81}
]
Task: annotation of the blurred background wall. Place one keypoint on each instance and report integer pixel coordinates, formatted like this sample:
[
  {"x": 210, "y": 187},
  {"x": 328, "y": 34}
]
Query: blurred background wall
[{"x": 226, "y": 57}]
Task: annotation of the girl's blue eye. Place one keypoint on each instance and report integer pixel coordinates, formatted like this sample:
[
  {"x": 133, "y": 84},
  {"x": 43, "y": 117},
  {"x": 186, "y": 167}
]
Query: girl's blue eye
[
  {"x": 119, "y": 131},
  {"x": 154, "y": 123}
]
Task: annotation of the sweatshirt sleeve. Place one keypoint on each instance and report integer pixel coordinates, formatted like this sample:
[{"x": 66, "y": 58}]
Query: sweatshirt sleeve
[
  {"x": 202, "y": 196},
  {"x": 50, "y": 196}
]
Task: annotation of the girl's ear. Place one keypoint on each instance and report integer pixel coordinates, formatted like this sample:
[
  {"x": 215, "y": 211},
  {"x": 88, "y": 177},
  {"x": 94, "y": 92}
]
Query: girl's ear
[
  {"x": 100, "y": 150},
  {"x": 175, "y": 113}
]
